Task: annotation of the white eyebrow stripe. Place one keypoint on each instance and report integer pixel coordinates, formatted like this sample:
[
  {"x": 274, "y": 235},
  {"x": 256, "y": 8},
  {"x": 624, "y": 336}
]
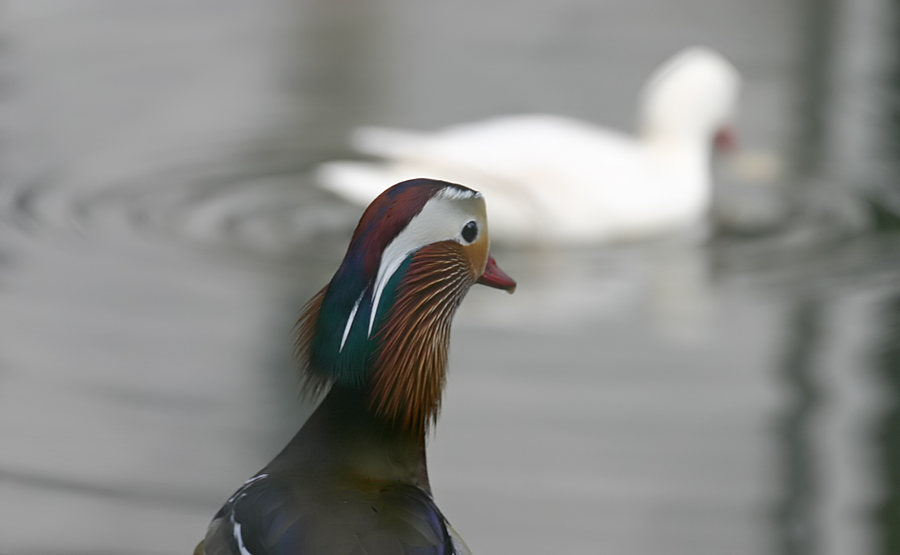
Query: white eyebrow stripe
[
  {"x": 457, "y": 194},
  {"x": 384, "y": 275},
  {"x": 350, "y": 320}
]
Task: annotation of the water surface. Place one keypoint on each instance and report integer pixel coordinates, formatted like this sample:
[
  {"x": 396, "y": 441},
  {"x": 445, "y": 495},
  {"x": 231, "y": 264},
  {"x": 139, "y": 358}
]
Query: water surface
[{"x": 159, "y": 231}]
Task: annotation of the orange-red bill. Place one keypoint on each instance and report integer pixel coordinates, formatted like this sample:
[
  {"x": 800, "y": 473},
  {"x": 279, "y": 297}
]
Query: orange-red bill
[
  {"x": 494, "y": 277},
  {"x": 726, "y": 139}
]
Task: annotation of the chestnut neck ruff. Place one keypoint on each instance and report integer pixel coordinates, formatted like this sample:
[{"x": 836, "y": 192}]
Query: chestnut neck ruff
[{"x": 405, "y": 370}]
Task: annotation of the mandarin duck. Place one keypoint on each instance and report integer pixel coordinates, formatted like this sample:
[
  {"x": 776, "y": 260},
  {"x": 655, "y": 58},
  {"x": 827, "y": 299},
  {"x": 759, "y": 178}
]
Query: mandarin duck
[
  {"x": 353, "y": 481},
  {"x": 584, "y": 183}
]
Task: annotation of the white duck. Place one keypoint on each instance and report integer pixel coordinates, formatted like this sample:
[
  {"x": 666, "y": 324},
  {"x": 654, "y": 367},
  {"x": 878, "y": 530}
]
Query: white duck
[{"x": 552, "y": 179}]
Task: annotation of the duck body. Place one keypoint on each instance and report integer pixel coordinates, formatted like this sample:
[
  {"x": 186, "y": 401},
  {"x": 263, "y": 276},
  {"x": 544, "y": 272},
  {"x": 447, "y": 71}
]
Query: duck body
[
  {"x": 553, "y": 179},
  {"x": 354, "y": 479},
  {"x": 345, "y": 484}
]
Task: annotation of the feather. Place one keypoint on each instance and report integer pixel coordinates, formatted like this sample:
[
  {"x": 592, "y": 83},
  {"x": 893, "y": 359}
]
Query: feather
[
  {"x": 311, "y": 383},
  {"x": 410, "y": 364}
]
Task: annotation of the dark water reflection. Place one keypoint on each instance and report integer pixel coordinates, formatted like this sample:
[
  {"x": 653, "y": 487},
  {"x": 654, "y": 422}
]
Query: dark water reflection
[
  {"x": 886, "y": 430},
  {"x": 795, "y": 514},
  {"x": 159, "y": 231}
]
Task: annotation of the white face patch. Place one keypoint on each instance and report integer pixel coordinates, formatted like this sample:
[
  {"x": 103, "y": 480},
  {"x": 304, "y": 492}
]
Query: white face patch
[{"x": 442, "y": 218}]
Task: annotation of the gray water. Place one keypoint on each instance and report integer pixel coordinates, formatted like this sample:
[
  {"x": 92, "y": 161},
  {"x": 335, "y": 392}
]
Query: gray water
[{"x": 159, "y": 231}]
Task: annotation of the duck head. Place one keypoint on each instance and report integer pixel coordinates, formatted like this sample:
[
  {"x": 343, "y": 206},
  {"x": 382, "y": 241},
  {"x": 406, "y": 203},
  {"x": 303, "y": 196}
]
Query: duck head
[
  {"x": 692, "y": 99},
  {"x": 382, "y": 324}
]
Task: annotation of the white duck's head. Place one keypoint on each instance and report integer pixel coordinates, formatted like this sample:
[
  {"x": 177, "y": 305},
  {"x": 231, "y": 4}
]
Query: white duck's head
[{"x": 691, "y": 98}]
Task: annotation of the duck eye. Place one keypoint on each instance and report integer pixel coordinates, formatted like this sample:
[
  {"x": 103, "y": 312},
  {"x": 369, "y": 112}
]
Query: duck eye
[{"x": 470, "y": 232}]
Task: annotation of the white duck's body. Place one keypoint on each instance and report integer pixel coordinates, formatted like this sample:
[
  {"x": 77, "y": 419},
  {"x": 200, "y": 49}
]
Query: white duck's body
[{"x": 551, "y": 179}]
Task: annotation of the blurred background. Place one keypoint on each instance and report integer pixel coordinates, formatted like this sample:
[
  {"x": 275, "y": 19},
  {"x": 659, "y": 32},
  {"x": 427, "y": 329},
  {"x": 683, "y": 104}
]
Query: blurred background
[{"x": 160, "y": 229}]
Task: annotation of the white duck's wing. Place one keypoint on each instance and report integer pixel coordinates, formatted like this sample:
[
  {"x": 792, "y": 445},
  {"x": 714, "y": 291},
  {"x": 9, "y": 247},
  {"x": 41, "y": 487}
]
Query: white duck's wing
[
  {"x": 496, "y": 148},
  {"x": 387, "y": 142},
  {"x": 504, "y": 147},
  {"x": 359, "y": 182}
]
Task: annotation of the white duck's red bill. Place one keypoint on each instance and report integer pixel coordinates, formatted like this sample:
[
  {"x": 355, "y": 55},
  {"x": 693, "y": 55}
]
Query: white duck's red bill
[
  {"x": 494, "y": 277},
  {"x": 725, "y": 139}
]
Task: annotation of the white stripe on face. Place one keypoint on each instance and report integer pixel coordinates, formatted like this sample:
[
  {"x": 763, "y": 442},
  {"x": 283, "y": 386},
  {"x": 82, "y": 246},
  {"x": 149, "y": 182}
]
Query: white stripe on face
[{"x": 350, "y": 320}]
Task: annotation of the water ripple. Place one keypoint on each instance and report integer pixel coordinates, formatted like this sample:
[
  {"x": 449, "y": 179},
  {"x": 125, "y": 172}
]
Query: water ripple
[{"x": 216, "y": 203}]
